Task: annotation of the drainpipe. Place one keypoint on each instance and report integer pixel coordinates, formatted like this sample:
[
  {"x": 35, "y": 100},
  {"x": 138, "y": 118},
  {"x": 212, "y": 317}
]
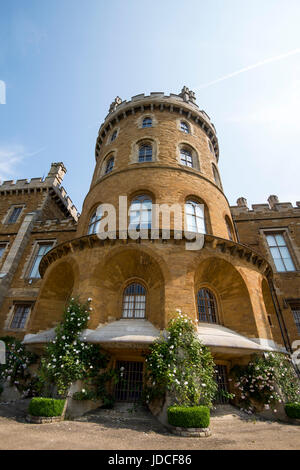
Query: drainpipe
[{"x": 280, "y": 318}]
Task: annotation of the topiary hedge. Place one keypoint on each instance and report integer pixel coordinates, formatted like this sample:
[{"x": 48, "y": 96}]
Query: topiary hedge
[
  {"x": 47, "y": 407},
  {"x": 292, "y": 410},
  {"x": 189, "y": 417}
]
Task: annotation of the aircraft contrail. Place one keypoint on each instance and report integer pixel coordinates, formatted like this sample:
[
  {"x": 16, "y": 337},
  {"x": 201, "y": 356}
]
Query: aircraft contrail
[{"x": 250, "y": 67}]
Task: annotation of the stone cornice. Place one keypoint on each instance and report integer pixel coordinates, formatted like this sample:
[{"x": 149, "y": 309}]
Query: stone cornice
[
  {"x": 159, "y": 102},
  {"x": 218, "y": 244}
]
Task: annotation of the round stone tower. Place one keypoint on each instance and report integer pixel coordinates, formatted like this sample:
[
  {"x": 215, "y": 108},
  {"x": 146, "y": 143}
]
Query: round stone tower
[{"x": 155, "y": 150}]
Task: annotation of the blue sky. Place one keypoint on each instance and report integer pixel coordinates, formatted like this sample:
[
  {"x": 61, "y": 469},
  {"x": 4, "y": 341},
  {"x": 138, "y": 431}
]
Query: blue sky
[{"x": 64, "y": 61}]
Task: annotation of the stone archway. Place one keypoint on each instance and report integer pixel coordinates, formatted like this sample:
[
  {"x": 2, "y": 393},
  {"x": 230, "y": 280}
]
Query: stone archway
[
  {"x": 110, "y": 277},
  {"x": 56, "y": 289},
  {"x": 234, "y": 303}
]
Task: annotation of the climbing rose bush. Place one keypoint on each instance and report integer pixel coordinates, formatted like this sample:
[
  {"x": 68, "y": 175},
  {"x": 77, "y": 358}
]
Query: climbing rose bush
[
  {"x": 18, "y": 360},
  {"x": 178, "y": 363},
  {"x": 267, "y": 380},
  {"x": 68, "y": 358}
]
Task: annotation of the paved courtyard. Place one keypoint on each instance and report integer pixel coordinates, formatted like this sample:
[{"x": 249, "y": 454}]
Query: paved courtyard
[{"x": 115, "y": 429}]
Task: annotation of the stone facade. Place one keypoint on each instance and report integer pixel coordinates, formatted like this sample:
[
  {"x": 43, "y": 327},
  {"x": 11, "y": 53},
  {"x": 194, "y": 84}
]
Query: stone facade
[
  {"x": 47, "y": 216},
  {"x": 250, "y": 300},
  {"x": 253, "y": 226}
]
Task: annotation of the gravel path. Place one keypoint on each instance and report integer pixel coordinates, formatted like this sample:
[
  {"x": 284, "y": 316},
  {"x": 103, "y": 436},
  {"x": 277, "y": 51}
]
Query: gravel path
[{"x": 115, "y": 429}]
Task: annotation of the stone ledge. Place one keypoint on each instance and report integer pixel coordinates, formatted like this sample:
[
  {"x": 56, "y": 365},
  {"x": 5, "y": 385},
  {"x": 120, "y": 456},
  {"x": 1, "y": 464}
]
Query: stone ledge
[
  {"x": 43, "y": 419},
  {"x": 189, "y": 432}
]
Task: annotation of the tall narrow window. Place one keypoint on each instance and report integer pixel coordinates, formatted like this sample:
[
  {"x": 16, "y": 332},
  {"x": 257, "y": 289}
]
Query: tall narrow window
[
  {"x": 134, "y": 301},
  {"x": 109, "y": 165},
  {"x": 186, "y": 157},
  {"x": 21, "y": 313},
  {"x": 95, "y": 221},
  {"x": 14, "y": 215},
  {"x": 229, "y": 228},
  {"x": 184, "y": 127},
  {"x": 296, "y": 315},
  {"x": 216, "y": 176},
  {"x": 141, "y": 213},
  {"x": 145, "y": 153},
  {"x": 114, "y": 136},
  {"x": 147, "y": 122},
  {"x": 42, "y": 249},
  {"x": 211, "y": 147},
  {"x": 207, "y": 306},
  {"x": 2, "y": 249},
  {"x": 195, "y": 219},
  {"x": 280, "y": 252}
]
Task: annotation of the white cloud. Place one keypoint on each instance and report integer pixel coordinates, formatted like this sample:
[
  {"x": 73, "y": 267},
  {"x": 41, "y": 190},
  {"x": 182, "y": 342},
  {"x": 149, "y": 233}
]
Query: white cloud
[{"x": 11, "y": 156}]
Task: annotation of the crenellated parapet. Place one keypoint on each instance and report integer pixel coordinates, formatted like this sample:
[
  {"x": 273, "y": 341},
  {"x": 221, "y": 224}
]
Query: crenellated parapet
[
  {"x": 50, "y": 184},
  {"x": 271, "y": 209},
  {"x": 183, "y": 104}
]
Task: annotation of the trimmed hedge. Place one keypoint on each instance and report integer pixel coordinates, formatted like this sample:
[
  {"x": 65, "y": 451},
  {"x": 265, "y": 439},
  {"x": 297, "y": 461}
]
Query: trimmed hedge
[
  {"x": 292, "y": 410},
  {"x": 189, "y": 417},
  {"x": 47, "y": 407}
]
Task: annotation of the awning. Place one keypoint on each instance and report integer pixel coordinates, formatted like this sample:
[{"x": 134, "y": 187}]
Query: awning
[
  {"x": 124, "y": 332},
  {"x": 117, "y": 333},
  {"x": 221, "y": 339},
  {"x": 137, "y": 333}
]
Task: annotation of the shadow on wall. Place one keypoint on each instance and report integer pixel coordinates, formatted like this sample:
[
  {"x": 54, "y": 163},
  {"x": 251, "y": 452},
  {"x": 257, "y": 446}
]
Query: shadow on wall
[
  {"x": 57, "y": 288},
  {"x": 231, "y": 292}
]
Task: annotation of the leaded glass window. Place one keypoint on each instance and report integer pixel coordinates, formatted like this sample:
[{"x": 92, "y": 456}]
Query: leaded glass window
[
  {"x": 134, "y": 301},
  {"x": 207, "y": 306}
]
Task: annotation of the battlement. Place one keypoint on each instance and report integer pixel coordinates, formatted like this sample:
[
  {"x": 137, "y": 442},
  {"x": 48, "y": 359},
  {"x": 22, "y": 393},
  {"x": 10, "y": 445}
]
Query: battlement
[
  {"x": 184, "y": 103},
  {"x": 51, "y": 183},
  {"x": 269, "y": 209}
]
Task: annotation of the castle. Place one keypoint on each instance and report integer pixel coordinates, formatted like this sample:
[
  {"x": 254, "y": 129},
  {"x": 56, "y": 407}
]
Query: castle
[{"x": 242, "y": 286}]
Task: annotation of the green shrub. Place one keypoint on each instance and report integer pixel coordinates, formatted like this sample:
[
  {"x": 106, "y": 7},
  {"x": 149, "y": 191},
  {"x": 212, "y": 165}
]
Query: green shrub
[
  {"x": 293, "y": 410},
  {"x": 189, "y": 417},
  {"x": 46, "y": 407}
]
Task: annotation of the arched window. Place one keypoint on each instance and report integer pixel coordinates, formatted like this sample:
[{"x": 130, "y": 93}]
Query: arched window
[
  {"x": 109, "y": 165},
  {"x": 211, "y": 147},
  {"x": 140, "y": 213},
  {"x": 229, "y": 228},
  {"x": 207, "y": 306},
  {"x": 216, "y": 176},
  {"x": 114, "y": 136},
  {"x": 186, "y": 157},
  {"x": 147, "y": 122},
  {"x": 95, "y": 221},
  {"x": 145, "y": 153},
  {"x": 195, "y": 218},
  {"x": 184, "y": 127},
  {"x": 134, "y": 301}
]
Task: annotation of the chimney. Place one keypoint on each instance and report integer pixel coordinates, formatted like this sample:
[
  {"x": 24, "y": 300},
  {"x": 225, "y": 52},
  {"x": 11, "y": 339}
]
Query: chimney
[
  {"x": 242, "y": 202},
  {"x": 56, "y": 173},
  {"x": 273, "y": 200}
]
